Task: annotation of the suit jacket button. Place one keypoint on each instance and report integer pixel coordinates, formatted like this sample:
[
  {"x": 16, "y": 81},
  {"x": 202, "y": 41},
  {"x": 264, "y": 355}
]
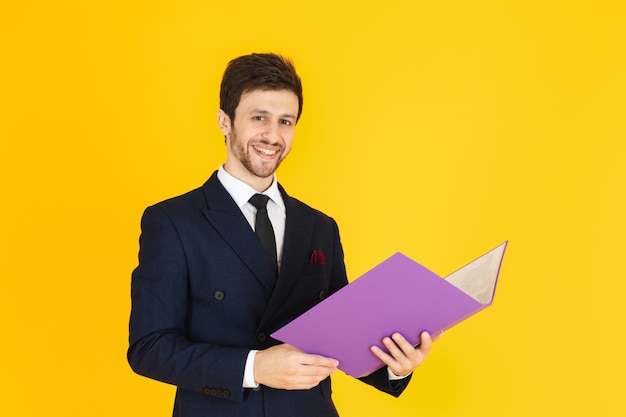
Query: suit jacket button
[
  {"x": 321, "y": 295},
  {"x": 261, "y": 337},
  {"x": 206, "y": 390},
  {"x": 226, "y": 393},
  {"x": 219, "y": 295}
]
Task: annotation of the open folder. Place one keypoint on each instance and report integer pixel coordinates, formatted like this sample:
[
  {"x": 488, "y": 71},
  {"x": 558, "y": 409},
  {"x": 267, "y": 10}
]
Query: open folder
[{"x": 397, "y": 295}]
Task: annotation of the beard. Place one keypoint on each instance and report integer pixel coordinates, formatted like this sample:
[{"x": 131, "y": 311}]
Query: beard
[{"x": 242, "y": 152}]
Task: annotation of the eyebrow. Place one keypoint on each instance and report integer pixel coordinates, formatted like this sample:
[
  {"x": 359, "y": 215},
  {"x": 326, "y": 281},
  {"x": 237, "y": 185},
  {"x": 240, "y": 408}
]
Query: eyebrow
[{"x": 265, "y": 112}]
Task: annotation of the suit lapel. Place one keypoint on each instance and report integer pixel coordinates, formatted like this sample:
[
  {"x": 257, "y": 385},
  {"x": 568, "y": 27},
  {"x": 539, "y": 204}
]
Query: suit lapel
[{"x": 224, "y": 215}]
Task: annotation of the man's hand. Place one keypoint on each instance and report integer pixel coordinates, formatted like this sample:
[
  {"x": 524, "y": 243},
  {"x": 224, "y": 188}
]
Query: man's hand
[
  {"x": 403, "y": 358},
  {"x": 284, "y": 366}
]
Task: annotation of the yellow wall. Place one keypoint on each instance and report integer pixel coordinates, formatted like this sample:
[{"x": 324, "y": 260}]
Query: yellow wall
[{"x": 472, "y": 122}]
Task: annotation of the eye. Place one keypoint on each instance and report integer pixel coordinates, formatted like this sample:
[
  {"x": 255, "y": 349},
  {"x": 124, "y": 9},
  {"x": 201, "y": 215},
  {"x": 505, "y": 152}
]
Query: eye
[
  {"x": 259, "y": 118},
  {"x": 286, "y": 122}
]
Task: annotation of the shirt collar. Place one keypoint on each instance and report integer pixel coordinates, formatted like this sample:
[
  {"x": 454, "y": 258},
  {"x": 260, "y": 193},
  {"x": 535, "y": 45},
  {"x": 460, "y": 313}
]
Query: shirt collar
[{"x": 241, "y": 192}]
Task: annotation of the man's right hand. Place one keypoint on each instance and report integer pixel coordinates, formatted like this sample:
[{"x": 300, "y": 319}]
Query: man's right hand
[{"x": 286, "y": 367}]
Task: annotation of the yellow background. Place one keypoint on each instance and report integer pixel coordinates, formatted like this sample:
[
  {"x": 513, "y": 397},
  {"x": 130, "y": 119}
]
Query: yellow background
[{"x": 467, "y": 122}]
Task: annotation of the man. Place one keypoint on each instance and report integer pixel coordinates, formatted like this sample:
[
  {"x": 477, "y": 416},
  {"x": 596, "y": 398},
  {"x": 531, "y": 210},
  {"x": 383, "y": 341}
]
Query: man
[{"x": 208, "y": 291}]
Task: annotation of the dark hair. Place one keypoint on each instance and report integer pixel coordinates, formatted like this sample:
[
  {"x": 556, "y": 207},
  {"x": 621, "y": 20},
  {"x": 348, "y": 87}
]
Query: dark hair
[{"x": 258, "y": 72}]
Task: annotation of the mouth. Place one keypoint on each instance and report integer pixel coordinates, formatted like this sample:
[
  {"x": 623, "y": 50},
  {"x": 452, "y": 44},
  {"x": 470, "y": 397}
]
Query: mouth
[{"x": 266, "y": 150}]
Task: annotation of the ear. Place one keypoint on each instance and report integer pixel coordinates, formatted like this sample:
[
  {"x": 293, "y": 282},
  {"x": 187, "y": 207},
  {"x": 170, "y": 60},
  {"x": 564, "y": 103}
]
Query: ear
[{"x": 223, "y": 121}]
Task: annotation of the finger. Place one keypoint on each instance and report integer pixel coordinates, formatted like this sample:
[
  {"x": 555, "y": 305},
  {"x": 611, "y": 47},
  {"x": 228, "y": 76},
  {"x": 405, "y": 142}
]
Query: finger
[
  {"x": 395, "y": 358},
  {"x": 303, "y": 382},
  {"x": 302, "y": 376},
  {"x": 318, "y": 360},
  {"x": 304, "y": 358},
  {"x": 399, "y": 363},
  {"x": 394, "y": 349},
  {"x": 382, "y": 355},
  {"x": 406, "y": 356},
  {"x": 315, "y": 371},
  {"x": 407, "y": 348},
  {"x": 426, "y": 343}
]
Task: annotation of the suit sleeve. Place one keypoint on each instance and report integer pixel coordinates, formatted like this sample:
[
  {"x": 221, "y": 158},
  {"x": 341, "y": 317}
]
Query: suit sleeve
[
  {"x": 159, "y": 348},
  {"x": 380, "y": 380}
]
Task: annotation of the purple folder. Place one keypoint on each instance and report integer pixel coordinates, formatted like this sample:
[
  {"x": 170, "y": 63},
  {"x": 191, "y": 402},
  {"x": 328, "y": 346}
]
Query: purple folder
[{"x": 397, "y": 295}]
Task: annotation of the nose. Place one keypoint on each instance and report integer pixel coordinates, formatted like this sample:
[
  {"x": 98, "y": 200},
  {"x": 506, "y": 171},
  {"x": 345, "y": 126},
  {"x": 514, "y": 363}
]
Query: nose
[{"x": 272, "y": 133}]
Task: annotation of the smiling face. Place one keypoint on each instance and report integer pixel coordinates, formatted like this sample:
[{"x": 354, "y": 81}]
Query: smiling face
[{"x": 261, "y": 135}]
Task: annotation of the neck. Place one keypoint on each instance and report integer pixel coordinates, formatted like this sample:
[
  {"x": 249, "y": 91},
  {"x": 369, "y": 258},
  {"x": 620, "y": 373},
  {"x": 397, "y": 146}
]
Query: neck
[{"x": 260, "y": 184}]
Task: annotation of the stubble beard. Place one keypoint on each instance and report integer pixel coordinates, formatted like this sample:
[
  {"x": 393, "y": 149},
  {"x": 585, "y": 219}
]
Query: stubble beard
[{"x": 241, "y": 152}]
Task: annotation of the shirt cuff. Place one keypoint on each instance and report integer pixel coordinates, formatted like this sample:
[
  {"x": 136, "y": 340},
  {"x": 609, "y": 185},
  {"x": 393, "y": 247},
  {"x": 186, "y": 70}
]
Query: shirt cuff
[
  {"x": 248, "y": 373},
  {"x": 394, "y": 377}
]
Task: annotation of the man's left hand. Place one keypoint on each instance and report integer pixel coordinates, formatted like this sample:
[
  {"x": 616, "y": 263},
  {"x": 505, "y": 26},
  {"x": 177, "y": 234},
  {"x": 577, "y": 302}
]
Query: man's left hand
[{"x": 403, "y": 358}]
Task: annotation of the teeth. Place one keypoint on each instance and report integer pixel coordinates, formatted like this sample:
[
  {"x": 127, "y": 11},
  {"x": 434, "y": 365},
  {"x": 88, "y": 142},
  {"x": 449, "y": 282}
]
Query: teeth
[{"x": 265, "y": 151}]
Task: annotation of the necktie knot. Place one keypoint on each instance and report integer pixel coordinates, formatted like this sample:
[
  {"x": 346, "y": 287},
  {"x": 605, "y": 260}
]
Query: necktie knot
[{"x": 259, "y": 201}]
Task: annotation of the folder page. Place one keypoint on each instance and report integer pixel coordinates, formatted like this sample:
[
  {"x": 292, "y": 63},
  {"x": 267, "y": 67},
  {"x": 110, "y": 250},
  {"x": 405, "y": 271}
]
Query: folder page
[{"x": 397, "y": 295}]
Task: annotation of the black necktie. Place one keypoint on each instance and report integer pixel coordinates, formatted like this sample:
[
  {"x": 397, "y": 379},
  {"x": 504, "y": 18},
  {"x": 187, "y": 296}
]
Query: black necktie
[{"x": 264, "y": 230}]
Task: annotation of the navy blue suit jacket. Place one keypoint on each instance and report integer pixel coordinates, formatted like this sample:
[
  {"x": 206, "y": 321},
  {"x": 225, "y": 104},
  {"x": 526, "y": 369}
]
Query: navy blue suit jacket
[{"x": 204, "y": 295}]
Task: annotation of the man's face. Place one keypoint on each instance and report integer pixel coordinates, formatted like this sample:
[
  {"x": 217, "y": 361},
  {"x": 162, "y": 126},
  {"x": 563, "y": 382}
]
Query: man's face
[{"x": 261, "y": 135}]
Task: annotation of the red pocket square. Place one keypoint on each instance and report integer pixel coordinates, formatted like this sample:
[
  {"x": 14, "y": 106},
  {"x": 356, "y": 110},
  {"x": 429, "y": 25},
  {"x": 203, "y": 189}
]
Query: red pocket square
[{"x": 317, "y": 257}]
